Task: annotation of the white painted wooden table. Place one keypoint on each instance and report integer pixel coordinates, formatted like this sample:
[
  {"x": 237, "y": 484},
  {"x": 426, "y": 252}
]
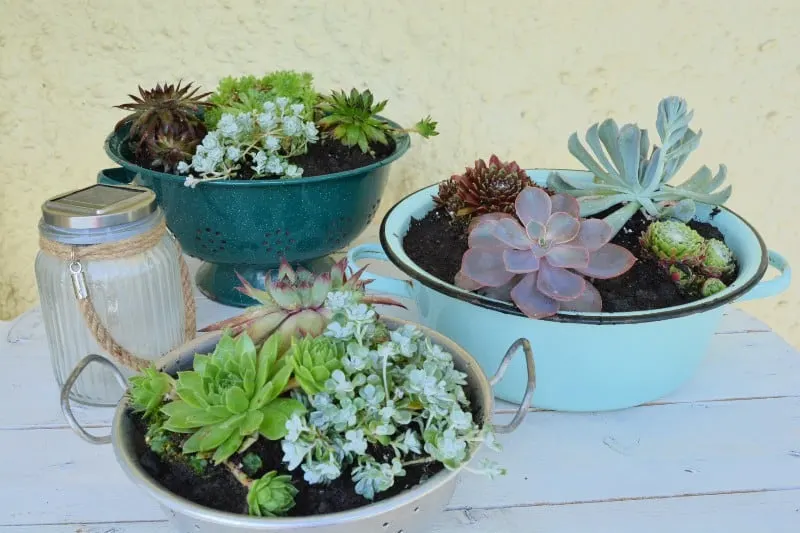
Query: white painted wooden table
[{"x": 722, "y": 455}]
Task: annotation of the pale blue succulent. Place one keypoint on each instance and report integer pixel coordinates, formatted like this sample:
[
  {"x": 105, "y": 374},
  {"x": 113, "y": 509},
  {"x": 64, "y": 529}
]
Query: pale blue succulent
[{"x": 625, "y": 175}]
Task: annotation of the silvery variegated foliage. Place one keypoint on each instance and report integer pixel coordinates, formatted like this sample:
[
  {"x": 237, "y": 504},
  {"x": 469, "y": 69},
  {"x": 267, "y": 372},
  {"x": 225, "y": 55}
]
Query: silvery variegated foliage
[
  {"x": 625, "y": 174},
  {"x": 396, "y": 391},
  {"x": 264, "y": 140}
]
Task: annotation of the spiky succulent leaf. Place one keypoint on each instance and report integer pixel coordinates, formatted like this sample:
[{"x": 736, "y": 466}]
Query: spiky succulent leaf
[
  {"x": 624, "y": 173},
  {"x": 483, "y": 188},
  {"x": 229, "y": 395},
  {"x": 166, "y": 123},
  {"x": 426, "y": 127},
  {"x": 314, "y": 359},
  {"x": 671, "y": 241},
  {"x": 294, "y": 303},
  {"x": 352, "y": 119},
  {"x": 271, "y": 495},
  {"x": 148, "y": 390}
]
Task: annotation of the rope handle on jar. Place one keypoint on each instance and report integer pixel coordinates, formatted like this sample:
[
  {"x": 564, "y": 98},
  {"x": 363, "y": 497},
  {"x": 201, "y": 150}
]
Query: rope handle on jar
[{"x": 118, "y": 250}]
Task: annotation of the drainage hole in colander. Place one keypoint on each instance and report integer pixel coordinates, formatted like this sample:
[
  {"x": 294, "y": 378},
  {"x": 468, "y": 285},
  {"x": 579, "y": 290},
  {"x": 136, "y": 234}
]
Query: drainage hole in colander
[
  {"x": 416, "y": 509},
  {"x": 386, "y": 524}
]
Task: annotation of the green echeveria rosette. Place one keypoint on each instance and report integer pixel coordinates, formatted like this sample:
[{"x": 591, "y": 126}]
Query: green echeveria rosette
[
  {"x": 671, "y": 242},
  {"x": 232, "y": 395},
  {"x": 718, "y": 261},
  {"x": 314, "y": 359},
  {"x": 271, "y": 495}
]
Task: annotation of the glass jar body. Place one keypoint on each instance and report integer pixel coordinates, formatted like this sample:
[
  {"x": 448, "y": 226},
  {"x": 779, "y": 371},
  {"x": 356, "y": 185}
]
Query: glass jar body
[{"x": 138, "y": 299}]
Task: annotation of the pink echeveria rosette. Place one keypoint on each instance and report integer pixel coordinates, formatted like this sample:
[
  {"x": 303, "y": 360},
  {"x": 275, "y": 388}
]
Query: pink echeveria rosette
[{"x": 539, "y": 257}]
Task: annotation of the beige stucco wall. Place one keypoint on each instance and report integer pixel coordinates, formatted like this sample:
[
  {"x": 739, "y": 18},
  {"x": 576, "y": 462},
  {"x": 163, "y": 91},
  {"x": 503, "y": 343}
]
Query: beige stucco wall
[{"x": 513, "y": 77}]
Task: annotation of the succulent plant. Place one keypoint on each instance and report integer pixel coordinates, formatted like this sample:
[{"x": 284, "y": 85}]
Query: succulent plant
[
  {"x": 271, "y": 495},
  {"x": 165, "y": 123},
  {"x": 711, "y": 286},
  {"x": 148, "y": 390},
  {"x": 294, "y": 303},
  {"x": 251, "y": 463},
  {"x": 624, "y": 174},
  {"x": 672, "y": 241},
  {"x": 718, "y": 260},
  {"x": 232, "y": 395},
  {"x": 543, "y": 254},
  {"x": 247, "y": 94},
  {"x": 683, "y": 276},
  {"x": 352, "y": 120},
  {"x": 484, "y": 188},
  {"x": 313, "y": 360}
]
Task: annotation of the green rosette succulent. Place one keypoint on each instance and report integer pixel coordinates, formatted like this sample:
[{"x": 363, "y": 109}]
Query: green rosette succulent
[
  {"x": 231, "y": 395},
  {"x": 271, "y": 496},
  {"x": 148, "y": 391},
  {"x": 313, "y": 360},
  {"x": 717, "y": 260},
  {"x": 711, "y": 286},
  {"x": 671, "y": 241}
]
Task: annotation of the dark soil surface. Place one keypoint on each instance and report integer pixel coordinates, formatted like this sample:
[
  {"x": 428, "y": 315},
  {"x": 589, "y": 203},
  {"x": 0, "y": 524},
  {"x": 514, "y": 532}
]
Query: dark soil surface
[
  {"x": 328, "y": 157},
  {"x": 437, "y": 245},
  {"x": 324, "y": 157},
  {"x": 216, "y": 488}
]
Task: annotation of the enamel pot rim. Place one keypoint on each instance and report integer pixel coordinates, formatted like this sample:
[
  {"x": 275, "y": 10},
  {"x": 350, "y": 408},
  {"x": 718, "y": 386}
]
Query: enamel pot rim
[{"x": 634, "y": 317}]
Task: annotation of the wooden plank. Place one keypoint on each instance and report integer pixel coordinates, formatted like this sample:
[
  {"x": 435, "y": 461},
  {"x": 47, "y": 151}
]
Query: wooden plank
[
  {"x": 553, "y": 458},
  {"x": 751, "y": 365},
  {"x": 761, "y": 512}
]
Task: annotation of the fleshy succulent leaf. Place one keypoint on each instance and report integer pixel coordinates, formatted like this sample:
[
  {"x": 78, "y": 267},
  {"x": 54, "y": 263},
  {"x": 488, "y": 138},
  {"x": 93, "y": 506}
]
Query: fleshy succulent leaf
[
  {"x": 271, "y": 495},
  {"x": 609, "y": 261},
  {"x": 148, "y": 390},
  {"x": 533, "y": 204},
  {"x": 527, "y": 297},
  {"x": 546, "y": 255},
  {"x": 558, "y": 283},
  {"x": 641, "y": 178},
  {"x": 520, "y": 261}
]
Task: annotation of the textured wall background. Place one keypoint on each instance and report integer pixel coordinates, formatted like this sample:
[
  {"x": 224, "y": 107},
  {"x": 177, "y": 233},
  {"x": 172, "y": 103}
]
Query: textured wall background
[{"x": 514, "y": 77}]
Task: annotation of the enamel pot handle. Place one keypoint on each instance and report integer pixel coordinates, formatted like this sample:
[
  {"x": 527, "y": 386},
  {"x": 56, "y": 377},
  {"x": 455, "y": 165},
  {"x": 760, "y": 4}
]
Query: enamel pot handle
[
  {"x": 66, "y": 407},
  {"x": 775, "y": 286},
  {"x": 379, "y": 284},
  {"x": 522, "y": 410}
]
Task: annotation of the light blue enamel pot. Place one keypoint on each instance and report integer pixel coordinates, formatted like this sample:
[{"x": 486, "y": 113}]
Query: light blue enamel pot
[{"x": 584, "y": 361}]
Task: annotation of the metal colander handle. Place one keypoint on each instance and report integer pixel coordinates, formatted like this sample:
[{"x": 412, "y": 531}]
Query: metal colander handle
[
  {"x": 522, "y": 410},
  {"x": 66, "y": 407}
]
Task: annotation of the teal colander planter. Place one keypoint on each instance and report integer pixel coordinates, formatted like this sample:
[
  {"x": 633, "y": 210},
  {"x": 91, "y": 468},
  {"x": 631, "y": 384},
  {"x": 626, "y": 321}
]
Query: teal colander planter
[
  {"x": 246, "y": 227},
  {"x": 584, "y": 361}
]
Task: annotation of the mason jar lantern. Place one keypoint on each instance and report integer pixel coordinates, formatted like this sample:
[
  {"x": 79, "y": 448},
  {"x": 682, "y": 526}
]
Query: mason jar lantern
[{"x": 112, "y": 281}]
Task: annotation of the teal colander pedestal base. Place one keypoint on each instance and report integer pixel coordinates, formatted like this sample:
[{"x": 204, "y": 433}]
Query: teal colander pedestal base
[{"x": 219, "y": 282}]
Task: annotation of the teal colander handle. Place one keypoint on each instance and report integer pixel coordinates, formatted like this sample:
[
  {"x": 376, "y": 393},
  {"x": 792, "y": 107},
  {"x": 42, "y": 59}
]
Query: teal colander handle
[
  {"x": 114, "y": 176},
  {"x": 380, "y": 284}
]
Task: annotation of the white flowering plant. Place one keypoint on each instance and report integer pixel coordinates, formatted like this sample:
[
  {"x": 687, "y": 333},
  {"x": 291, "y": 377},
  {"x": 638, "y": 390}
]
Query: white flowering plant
[
  {"x": 260, "y": 141},
  {"x": 395, "y": 400},
  {"x": 358, "y": 399}
]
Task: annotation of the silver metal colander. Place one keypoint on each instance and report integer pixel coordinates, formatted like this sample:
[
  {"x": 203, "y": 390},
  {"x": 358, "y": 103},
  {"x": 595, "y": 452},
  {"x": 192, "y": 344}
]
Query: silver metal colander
[{"x": 411, "y": 511}]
